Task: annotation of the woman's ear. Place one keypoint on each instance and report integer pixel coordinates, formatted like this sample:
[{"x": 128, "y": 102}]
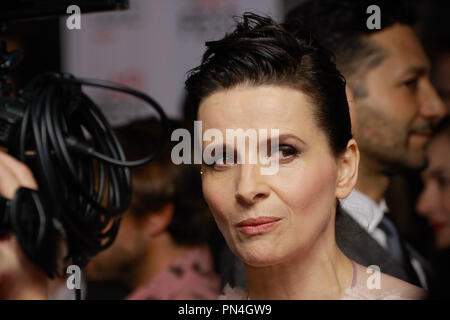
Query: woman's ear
[{"x": 348, "y": 163}]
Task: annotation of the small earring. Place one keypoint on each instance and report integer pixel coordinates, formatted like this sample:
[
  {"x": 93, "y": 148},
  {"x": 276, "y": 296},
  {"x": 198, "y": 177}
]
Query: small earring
[{"x": 201, "y": 171}]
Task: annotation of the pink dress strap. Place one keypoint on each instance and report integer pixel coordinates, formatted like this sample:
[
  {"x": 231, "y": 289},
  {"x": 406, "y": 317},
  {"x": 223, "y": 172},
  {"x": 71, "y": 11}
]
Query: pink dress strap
[{"x": 355, "y": 274}]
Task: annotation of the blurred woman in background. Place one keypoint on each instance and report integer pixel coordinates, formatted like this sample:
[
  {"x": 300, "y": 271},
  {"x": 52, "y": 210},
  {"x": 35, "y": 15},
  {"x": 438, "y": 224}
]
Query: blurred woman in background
[{"x": 434, "y": 204}]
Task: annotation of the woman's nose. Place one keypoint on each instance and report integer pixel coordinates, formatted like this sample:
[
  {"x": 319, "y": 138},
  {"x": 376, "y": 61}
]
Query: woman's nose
[{"x": 251, "y": 185}]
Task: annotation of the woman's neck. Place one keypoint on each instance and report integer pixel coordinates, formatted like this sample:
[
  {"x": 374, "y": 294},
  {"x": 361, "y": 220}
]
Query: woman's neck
[{"x": 321, "y": 272}]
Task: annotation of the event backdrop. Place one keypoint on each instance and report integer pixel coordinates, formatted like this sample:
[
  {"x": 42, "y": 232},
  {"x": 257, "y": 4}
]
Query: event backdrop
[{"x": 150, "y": 47}]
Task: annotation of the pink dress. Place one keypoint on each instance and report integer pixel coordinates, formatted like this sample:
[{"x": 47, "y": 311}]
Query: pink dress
[
  {"x": 189, "y": 277},
  {"x": 356, "y": 291}
]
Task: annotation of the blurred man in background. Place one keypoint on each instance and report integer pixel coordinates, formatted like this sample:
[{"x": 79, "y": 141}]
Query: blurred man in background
[
  {"x": 160, "y": 251},
  {"x": 434, "y": 204},
  {"x": 394, "y": 108}
]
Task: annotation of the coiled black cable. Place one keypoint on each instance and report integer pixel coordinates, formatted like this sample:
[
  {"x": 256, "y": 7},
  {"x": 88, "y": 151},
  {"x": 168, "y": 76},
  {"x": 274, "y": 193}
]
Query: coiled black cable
[{"x": 83, "y": 176}]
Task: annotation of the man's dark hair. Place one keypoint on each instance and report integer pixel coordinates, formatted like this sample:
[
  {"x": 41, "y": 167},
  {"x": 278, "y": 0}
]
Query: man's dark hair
[
  {"x": 341, "y": 26},
  {"x": 161, "y": 182},
  {"x": 262, "y": 52}
]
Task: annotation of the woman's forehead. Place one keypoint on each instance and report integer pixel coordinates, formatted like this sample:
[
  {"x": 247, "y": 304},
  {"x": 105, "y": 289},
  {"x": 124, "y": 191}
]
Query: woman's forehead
[{"x": 256, "y": 107}]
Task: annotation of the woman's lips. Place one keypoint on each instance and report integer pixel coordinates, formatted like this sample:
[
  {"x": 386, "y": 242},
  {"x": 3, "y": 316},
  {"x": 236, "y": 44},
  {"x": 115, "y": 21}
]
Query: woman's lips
[
  {"x": 259, "y": 225},
  {"x": 439, "y": 226}
]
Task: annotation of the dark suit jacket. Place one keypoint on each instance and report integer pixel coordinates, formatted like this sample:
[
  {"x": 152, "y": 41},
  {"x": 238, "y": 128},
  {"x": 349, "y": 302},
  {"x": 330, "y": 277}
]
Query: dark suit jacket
[
  {"x": 357, "y": 244},
  {"x": 354, "y": 241}
]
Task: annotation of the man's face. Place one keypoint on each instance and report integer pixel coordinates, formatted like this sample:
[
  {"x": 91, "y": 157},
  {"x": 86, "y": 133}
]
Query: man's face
[{"x": 393, "y": 122}]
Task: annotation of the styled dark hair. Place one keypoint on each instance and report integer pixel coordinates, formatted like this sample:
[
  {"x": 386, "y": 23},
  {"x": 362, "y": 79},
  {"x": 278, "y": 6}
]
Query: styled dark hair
[
  {"x": 340, "y": 26},
  {"x": 161, "y": 182},
  {"x": 262, "y": 52}
]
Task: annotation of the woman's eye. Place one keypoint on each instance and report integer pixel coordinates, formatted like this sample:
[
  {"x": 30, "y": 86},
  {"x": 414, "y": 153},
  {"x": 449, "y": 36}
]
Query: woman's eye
[
  {"x": 222, "y": 160},
  {"x": 443, "y": 181},
  {"x": 284, "y": 152}
]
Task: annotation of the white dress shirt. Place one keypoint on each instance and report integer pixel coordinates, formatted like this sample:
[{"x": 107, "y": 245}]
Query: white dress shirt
[{"x": 368, "y": 214}]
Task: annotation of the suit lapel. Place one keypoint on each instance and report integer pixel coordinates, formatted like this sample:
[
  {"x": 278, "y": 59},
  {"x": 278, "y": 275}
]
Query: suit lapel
[{"x": 356, "y": 243}]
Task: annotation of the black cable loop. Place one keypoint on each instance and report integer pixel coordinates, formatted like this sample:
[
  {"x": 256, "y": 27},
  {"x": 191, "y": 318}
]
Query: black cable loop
[{"x": 83, "y": 188}]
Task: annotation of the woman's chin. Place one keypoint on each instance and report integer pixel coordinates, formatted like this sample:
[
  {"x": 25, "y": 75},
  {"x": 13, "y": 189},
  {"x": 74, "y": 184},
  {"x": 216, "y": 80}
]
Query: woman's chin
[
  {"x": 259, "y": 260},
  {"x": 259, "y": 263}
]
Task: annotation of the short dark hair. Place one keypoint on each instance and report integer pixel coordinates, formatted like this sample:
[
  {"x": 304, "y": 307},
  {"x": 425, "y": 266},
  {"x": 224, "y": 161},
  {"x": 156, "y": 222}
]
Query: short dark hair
[
  {"x": 161, "y": 182},
  {"x": 340, "y": 26},
  {"x": 262, "y": 52}
]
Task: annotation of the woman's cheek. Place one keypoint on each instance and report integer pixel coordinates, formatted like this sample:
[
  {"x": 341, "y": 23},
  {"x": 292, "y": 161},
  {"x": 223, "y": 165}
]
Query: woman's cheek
[
  {"x": 311, "y": 187},
  {"x": 216, "y": 197}
]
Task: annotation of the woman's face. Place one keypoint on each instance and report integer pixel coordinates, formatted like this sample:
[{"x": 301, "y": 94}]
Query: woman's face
[
  {"x": 434, "y": 201},
  {"x": 267, "y": 219}
]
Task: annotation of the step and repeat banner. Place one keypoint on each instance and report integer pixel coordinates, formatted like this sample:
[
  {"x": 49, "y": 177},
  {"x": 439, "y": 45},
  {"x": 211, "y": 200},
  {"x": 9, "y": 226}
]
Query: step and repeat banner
[{"x": 150, "y": 47}]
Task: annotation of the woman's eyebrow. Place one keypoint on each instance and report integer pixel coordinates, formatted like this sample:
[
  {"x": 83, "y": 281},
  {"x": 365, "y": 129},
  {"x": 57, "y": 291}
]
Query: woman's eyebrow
[
  {"x": 286, "y": 136},
  {"x": 281, "y": 137},
  {"x": 438, "y": 172}
]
